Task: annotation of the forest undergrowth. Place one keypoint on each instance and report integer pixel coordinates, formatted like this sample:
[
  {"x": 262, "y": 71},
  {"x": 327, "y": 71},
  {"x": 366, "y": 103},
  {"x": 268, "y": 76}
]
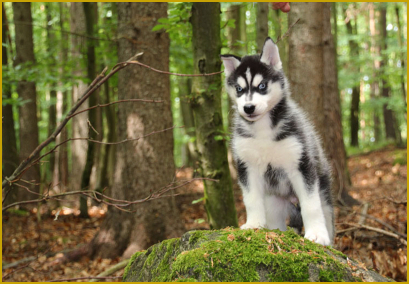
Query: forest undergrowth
[{"x": 46, "y": 251}]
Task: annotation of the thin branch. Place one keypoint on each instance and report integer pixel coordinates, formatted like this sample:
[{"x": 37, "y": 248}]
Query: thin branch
[
  {"x": 92, "y": 87},
  {"x": 102, "y": 197},
  {"x": 85, "y": 278},
  {"x": 169, "y": 73},
  {"x": 403, "y": 241},
  {"x": 112, "y": 269},
  {"x": 116, "y": 102},
  {"x": 99, "y": 80},
  {"x": 287, "y": 32},
  {"x": 378, "y": 221}
]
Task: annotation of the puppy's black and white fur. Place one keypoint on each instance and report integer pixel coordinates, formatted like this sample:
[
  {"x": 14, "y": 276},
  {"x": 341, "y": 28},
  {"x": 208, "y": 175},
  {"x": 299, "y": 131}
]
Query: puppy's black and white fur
[{"x": 281, "y": 166}]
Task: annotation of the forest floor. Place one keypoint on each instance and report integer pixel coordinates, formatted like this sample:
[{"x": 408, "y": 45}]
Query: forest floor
[{"x": 46, "y": 251}]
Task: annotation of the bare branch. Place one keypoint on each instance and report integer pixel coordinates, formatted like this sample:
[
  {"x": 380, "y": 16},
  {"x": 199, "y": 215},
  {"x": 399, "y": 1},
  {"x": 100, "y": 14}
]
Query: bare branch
[
  {"x": 170, "y": 73},
  {"x": 85, "y": 278},
  {"x": 377, "y": 220},
  {"x": 287, "y": 32},
  {"x": 98, "y": 81},
  {"x": 100, "y": 197},
  {"x": 116, "y": 102},
  {"x": 403, "y": 241}
]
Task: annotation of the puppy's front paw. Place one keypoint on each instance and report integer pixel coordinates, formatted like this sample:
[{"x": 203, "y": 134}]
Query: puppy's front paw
[
  {"x": 251, "y": 226},
  {"x": 318, "y": 236}
]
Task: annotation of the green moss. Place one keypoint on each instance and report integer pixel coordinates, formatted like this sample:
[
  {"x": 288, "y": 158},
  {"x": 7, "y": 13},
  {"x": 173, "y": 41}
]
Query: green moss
[
  {"x": 133, "y": 257},
  {"x": 197, "y": 235},
  {"x": 240, "y": 256},
  {"x": 237, "y": 254},
  {"x": 163, "y": 272}
]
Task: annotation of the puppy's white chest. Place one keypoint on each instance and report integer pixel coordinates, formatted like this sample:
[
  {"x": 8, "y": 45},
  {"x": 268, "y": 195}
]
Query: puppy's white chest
[{"x": 261, "y": 150}]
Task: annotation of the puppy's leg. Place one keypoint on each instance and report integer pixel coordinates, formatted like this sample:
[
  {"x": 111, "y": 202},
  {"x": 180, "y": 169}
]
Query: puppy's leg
[
  {"x": 276, "y": 212},
  {"x": 253, "y": 198},
  {"x": 329, "y": 218},
  {"x": 311, "y": 209}
]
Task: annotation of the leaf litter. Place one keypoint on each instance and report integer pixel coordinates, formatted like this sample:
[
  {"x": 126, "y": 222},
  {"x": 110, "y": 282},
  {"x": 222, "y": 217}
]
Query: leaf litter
[{"x": 377, "y": 179}]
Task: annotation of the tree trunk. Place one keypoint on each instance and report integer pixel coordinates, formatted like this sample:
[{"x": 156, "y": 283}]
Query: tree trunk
[
  {"x": 261, "y": 24},
  {"x": 278, "y": 23},
  {"x": 185, "y": 86},
  {"x": 375, "y": 52},
  {"x": 52, "y": 112},
  {"x": 234, "y": 35},
  {"x": 354, "y": 108},
  {"x": 78, "y": 123},
  {"x": 62, "y": 107},
  {"x": 10, "y": 156},
  {"x": 145, "y": 165},
  {"x": 401, "y": 57},
  {"x": 243, "y": 30},
  {"x": 27, "y": 92},
  {"x": 388, "y": 115},
  {"x": 312, "y": 51},
  {"x": 206, "y": 105},
  {"x": 92, "y": 114}
]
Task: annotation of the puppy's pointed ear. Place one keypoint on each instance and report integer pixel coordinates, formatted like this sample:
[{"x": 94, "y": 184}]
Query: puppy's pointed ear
[
  {"x": 230, "y": 63},
  {"x": 270, "y": 55}
]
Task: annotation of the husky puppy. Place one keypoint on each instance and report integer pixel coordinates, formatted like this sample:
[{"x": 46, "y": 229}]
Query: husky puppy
[{"x": 281, "y": 166}]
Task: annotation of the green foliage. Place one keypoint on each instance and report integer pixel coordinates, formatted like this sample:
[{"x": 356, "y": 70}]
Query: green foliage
[
  {"x": 359, "y": 70},
  {"x": 49, "y": 71}
]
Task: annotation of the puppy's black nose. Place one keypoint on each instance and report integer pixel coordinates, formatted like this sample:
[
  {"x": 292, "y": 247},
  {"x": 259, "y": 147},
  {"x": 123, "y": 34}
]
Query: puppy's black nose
[{"x": 249, "y": 109}]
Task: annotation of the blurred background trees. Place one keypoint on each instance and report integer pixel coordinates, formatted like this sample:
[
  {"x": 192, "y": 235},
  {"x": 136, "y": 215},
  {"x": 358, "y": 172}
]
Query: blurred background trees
[{"x": 52, "y": 51}]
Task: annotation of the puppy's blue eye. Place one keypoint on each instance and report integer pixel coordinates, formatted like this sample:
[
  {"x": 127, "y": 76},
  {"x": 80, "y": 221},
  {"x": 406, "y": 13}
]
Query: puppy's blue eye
[
  {"x": 239, "y": 89},
  {"x": 262, "y": 86}
]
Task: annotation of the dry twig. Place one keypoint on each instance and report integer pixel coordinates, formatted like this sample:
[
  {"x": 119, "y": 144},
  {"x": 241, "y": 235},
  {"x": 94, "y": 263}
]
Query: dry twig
[
  {"x": 98, "y": 81},
  {"x": 287, "y": 32},
  {"x": 100, "y": 197},
  {"x": 403, "y": 241}
]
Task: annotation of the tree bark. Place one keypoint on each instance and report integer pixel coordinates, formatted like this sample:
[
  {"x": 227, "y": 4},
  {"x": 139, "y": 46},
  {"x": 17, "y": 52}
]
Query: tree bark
[
  {"x": 27, "y": 92},
  {"x": 206, "y": 105},
  {"x": 401, "y": 57},
  {"x": 62, "y": 107},
  {"x": 354, "y": 107},
  {"x": 388, "y": 115},
  {"x": 278, "y": 19},
  {"x": 92, "y": 114},
  {"x": 234, "y": 35},
  {"x": 10, "y": 156},
  {"x": 79, "y": 123},
  {"x": 185, "y": 87},
  {"x": 312, "y": 52},
  {"x": 375, "y": 74},
  {"x": 52, "y": 111},
  {"x": 145, "y": 165},
  {"x": 261, "y": 24}
]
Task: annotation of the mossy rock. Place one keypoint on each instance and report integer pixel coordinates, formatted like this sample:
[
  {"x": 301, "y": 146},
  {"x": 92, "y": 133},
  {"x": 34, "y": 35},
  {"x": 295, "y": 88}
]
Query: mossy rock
[{"x": 234, "y": 255}]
